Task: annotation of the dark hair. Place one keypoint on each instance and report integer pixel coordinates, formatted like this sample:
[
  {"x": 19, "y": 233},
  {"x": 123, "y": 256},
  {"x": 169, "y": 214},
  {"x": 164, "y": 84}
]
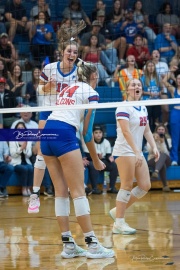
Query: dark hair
[
  {"x": 12, "y": 70},
  {"x": 134, "y": 6},
  {"x": 75, "y": 2},
  {"x": 163, "y": 7},
  {"x": 138, "y": 35},
  {"x": 46, "y": 19},
  {"x": 20, "y": 123},
  {"x": 34, "y": 68},
  {"x": 4, "y": 71},
  {"x": 89, "y": 41}
]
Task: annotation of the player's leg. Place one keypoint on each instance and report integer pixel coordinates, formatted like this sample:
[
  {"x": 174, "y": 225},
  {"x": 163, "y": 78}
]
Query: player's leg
[
  {"x": 39, "y": 170},
  {"x": 126, "y": 168},
  {"x": 75, "y": 182}
]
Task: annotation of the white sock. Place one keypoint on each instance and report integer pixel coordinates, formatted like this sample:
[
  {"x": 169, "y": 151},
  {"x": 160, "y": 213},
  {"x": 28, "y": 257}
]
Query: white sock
[
  {"x": 68, "y": 233},
  {"x": 36, "y": 189},
  {"x": 119, "y": 221},
  {"x": 89, "y": 234}
]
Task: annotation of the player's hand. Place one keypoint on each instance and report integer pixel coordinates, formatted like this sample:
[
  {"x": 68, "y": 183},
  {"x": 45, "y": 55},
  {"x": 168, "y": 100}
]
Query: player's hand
[
  {"x": 139, "y": 159},
  {"x": 99, "y": 165}
]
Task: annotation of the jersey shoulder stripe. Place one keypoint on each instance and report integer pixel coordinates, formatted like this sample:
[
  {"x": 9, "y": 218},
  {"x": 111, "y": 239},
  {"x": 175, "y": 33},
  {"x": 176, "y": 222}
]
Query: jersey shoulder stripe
[
  {"x": 122, "y": 114},
  {"x": 94, "y": 98}
]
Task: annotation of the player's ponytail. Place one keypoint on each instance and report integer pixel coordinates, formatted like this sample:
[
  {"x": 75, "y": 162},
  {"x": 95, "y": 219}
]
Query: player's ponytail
[
  {"x": 85, "y": 70},
  {"x": 66, "y": 35}
]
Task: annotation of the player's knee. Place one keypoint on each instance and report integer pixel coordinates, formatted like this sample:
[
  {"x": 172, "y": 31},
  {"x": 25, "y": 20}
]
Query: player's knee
[
  {"x": 62, "y": 207},
  {"x": 123, "y": 195},
  {"x": 81, "y": 206},
  {"x": 138, "y": 192},
  {"x": 40, "y": 163}
]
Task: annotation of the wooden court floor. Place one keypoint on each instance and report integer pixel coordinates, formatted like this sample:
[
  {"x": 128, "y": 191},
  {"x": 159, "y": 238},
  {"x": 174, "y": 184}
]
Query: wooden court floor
[{"x": 32, "y": 241}]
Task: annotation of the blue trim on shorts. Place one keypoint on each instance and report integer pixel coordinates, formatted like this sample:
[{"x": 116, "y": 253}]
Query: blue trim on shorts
[
  {"x": 66, "y": 143},
  {"x": 44, "y": 115}
]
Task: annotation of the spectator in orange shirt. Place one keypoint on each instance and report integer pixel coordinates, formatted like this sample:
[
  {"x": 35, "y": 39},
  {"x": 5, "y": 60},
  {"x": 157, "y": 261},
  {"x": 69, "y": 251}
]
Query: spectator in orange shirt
[{"x": 140, "y": 52}]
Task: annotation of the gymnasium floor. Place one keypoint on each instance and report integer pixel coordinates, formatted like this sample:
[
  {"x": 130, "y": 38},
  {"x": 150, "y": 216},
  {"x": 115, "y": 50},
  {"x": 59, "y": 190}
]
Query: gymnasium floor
[{"x": 32, "y": 241}]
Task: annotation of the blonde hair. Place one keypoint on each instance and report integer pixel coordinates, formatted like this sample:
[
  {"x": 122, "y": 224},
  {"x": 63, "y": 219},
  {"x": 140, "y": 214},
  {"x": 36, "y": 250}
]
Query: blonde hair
[{"x": 85, "y": 70}]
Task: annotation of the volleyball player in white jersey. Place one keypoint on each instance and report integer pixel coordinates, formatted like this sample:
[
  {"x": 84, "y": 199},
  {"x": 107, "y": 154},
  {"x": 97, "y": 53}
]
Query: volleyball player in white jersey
[
  {"x": 53, "y": 79},
  {"x": 64, "y": 161},
  {"x": 132, "y": 125}
]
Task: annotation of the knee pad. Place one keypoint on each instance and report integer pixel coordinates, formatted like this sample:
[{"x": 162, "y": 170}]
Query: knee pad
[
  {"x": 123, "y": 196},
  {"x": 81, "y": 206},
  {"x": 138, "y": 192},
  {"x": 40, "y": 163},
  {"x": 62, "y": 207}
]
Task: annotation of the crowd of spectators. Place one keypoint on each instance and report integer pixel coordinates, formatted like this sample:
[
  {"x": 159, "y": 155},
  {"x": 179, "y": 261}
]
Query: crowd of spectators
[{"x": 122, "y": 42}]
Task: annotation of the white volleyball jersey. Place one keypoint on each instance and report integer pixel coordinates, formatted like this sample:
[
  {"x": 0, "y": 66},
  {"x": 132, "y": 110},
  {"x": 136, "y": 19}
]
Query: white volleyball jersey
[
  {"x": 77, "y": 93},
  {"x": 53, "y": 71},
  {"x": 138, "y": 118}
]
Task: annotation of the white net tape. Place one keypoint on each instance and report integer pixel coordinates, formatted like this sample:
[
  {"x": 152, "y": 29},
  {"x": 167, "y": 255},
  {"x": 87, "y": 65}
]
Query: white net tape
[{"x": 153, "y": 102}]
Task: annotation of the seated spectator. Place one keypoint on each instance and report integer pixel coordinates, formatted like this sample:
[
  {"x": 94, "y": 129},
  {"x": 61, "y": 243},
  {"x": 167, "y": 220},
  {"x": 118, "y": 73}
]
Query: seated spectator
[
  {"x": 116, "y": 15},
  {"x": 162, "y": 69},
  {"x": 166, "y": 44},
  {"x": 41, "y": 6},
  {"x": 31, "y": 94},
  {"x": 108, "y": 57},
  {"x": 112, "y": 41},
  {"x": 103, "y": 149},
  {"x": 15, "y": 82},
  {"x": 6, "y": 170},
  {"x": 16, "y": 19},
  {"x": 75, "y": 12},
  {"x": 151, "y": 91},
  {"x": 3, "y": 70},
  {"x": 166, "y": 16},
  {"x": 114, "y": 19},
  {"x": 8, "y": 52},
  {"x": 140, "y": 52},
  {"x": 163, "y": 143},
  {"x": 100, "y": 5},
  {"x": 21, "y": 151},
  {"x": 91, "y": 54},
  {"x": 127, "y": 73},
  {"x": 41, "y": 34},
  {"x": 26, "y": 119},
  {"x": 174, "y": 114},
  {"x": 143, "y": 21},
  {"x": 130, "y": 28},
  {"x": 7, "y": 100}
]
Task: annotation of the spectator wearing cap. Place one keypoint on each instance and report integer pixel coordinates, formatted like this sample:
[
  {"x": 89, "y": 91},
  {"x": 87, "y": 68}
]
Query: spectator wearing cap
[
  {"x": 8, "y": 52},
  {"x": 16, "y": 19},
  {"x": 7, "y": 100},
  {"x": 76, "y": 13},
  {"x": 100, "y": 5},
  {"x": 112, "y": 42},
  {"x": 130, "y": 28},
  {"x": 140, "y": 52},
  {"x": 108, "y": 56},
  {"x": 103, "y": 149}
]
